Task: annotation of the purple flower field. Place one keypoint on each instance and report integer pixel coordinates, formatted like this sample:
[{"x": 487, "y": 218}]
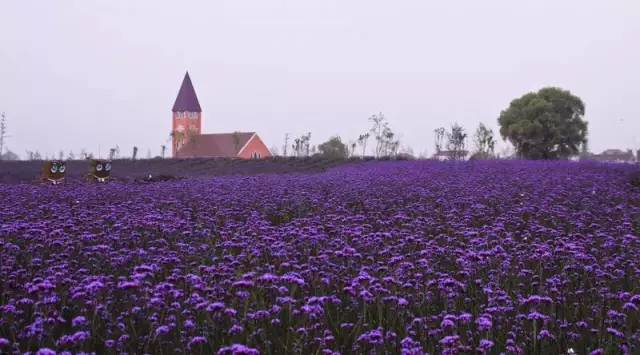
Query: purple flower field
[{"x": 381, "y": 257}]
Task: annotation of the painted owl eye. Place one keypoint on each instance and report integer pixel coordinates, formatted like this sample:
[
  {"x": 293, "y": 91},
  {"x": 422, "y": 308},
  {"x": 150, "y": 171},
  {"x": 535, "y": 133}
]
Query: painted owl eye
[
  {"x": 62, "y": 168},
  {"x": 107, "y": 167},
  {"x": 54, "y": 169},
  {"x": 99, "y": 167}
]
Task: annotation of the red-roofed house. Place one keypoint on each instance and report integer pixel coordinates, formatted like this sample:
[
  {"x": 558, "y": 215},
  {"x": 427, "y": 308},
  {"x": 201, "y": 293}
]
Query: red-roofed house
[{"x": 189, "y": 142}]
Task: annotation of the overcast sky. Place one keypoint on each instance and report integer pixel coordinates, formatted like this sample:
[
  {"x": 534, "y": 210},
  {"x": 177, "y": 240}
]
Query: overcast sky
[{"x": 95, "y": 74}]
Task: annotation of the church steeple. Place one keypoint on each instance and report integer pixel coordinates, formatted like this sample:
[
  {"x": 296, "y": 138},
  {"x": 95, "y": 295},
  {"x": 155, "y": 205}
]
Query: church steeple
[
  {"x": 187, "y": 100},
  {"x": 187, "y": 116}
]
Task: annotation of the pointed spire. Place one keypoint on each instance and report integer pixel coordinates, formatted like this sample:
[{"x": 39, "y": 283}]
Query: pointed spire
[{"x": 187, "y": 99}]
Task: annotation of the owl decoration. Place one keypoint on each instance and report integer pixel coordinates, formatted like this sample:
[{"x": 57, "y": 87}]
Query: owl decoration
[
  {"x": 53, "y": 172},
  {"x": 99, "y": 170}
]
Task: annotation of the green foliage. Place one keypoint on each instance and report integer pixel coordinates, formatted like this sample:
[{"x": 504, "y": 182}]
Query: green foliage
[
  {"x": 545, "y": 125},
  {"x": 334, "y": 148}
]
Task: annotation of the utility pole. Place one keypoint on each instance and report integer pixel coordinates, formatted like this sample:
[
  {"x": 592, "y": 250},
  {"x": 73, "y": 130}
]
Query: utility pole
[
  {"x": 3, "y": 132},
  {"x": 286, "y": 144}
]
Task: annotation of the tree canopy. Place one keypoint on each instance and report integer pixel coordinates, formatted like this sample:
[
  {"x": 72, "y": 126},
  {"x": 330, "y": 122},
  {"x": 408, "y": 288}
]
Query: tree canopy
[
  {"x": 547, "y": 124},
  {"x": 334, "y": 148}
]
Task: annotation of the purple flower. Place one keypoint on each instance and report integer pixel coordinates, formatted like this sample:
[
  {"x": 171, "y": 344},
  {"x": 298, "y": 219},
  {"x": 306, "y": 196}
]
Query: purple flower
[
  {"x": 45, "y": 351},
  {"x": 484, "y": 323},
  {"x": 545, "y": 334},
  {"x": 447, "y": 324},
  {"x": 215, "y": 307},
  {"x": 373, "y": 337},
  {"x": 197, "y": 340},
  {"x": 127, "y": 285},
  {"x": 450, "y": 341},
  {"x": 236, "y": 329},
  {"x": 615, "y": 332},
  {"x": 162, "y": 330},
  {"x": 79, "y": 321},
  {"x": 485, "y": 345},
  {"x": 536, "y": 316},
  {"x": 238, "y": 349}
]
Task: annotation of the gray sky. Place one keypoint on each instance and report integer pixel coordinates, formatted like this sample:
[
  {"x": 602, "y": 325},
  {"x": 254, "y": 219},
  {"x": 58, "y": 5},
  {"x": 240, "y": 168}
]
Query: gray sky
[{"x": 93, "y": 74}]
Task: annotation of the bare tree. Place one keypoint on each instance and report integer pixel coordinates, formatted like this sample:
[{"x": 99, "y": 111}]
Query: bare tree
[
  {"x": 379, "y": 125},
  {"x": 179, "y": 139},
  {"x": 351, "y": 148},
  {"x": 286, "y": 144},
  {"x": 306, "y": 139},
  {"x": 3, "y": 132},
  {"x": 484, "y": 142},
  {"x": 362, "y": 142},
  {"x": 296, "y": 146},
  {"x": 456, "y": 142},
  {"x": 302, "y": 145},
  {"x": 439, "y": 138},
  {"x": 114, "y": 153},
  {"x": 386, "y": 142}
]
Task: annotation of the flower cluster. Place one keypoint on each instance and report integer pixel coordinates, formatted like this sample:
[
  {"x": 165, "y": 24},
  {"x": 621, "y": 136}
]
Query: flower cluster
[{"x": 384, "y": 257}]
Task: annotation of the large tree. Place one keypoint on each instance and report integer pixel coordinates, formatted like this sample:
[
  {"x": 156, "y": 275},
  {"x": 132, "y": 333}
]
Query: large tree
[
  {"x": 547, "y": 124},
  {"x": 334, "y": 148}
]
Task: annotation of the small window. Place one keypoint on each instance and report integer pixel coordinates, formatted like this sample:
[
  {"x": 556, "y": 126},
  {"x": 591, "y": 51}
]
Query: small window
[{"x": 255, "y": 155}]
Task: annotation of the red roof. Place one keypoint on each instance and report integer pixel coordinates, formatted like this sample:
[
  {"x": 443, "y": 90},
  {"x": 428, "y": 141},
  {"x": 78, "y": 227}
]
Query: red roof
[
  {"x": 216, "y": 145},
  {"x": 187, "y": 99}
]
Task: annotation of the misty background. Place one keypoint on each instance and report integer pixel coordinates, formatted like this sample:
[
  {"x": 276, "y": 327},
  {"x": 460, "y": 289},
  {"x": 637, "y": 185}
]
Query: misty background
[{"x": 95, "y": 74}]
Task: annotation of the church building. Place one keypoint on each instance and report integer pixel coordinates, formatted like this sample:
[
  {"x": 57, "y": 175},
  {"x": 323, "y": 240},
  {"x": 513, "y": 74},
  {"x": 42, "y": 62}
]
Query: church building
[{"x": 188, "y": 141}]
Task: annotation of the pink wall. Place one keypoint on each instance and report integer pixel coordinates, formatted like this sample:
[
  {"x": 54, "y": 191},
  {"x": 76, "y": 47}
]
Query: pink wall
[{"x": 255, "y": 145}]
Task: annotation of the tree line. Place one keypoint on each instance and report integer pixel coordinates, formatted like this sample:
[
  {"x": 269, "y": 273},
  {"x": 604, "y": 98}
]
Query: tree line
[{"x": 547, "y": 124}]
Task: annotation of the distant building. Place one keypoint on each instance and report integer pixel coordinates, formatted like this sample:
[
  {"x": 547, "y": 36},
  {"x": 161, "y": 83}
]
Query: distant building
[
  {"x": 244, "y": 145},
  {"x": 613, "y": 156},
  {"x": 189, "y": 142}
]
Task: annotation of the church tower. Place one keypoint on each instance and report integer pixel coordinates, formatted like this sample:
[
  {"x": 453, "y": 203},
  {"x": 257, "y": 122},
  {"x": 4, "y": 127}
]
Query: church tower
[{"x": 187, "y": 116}]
